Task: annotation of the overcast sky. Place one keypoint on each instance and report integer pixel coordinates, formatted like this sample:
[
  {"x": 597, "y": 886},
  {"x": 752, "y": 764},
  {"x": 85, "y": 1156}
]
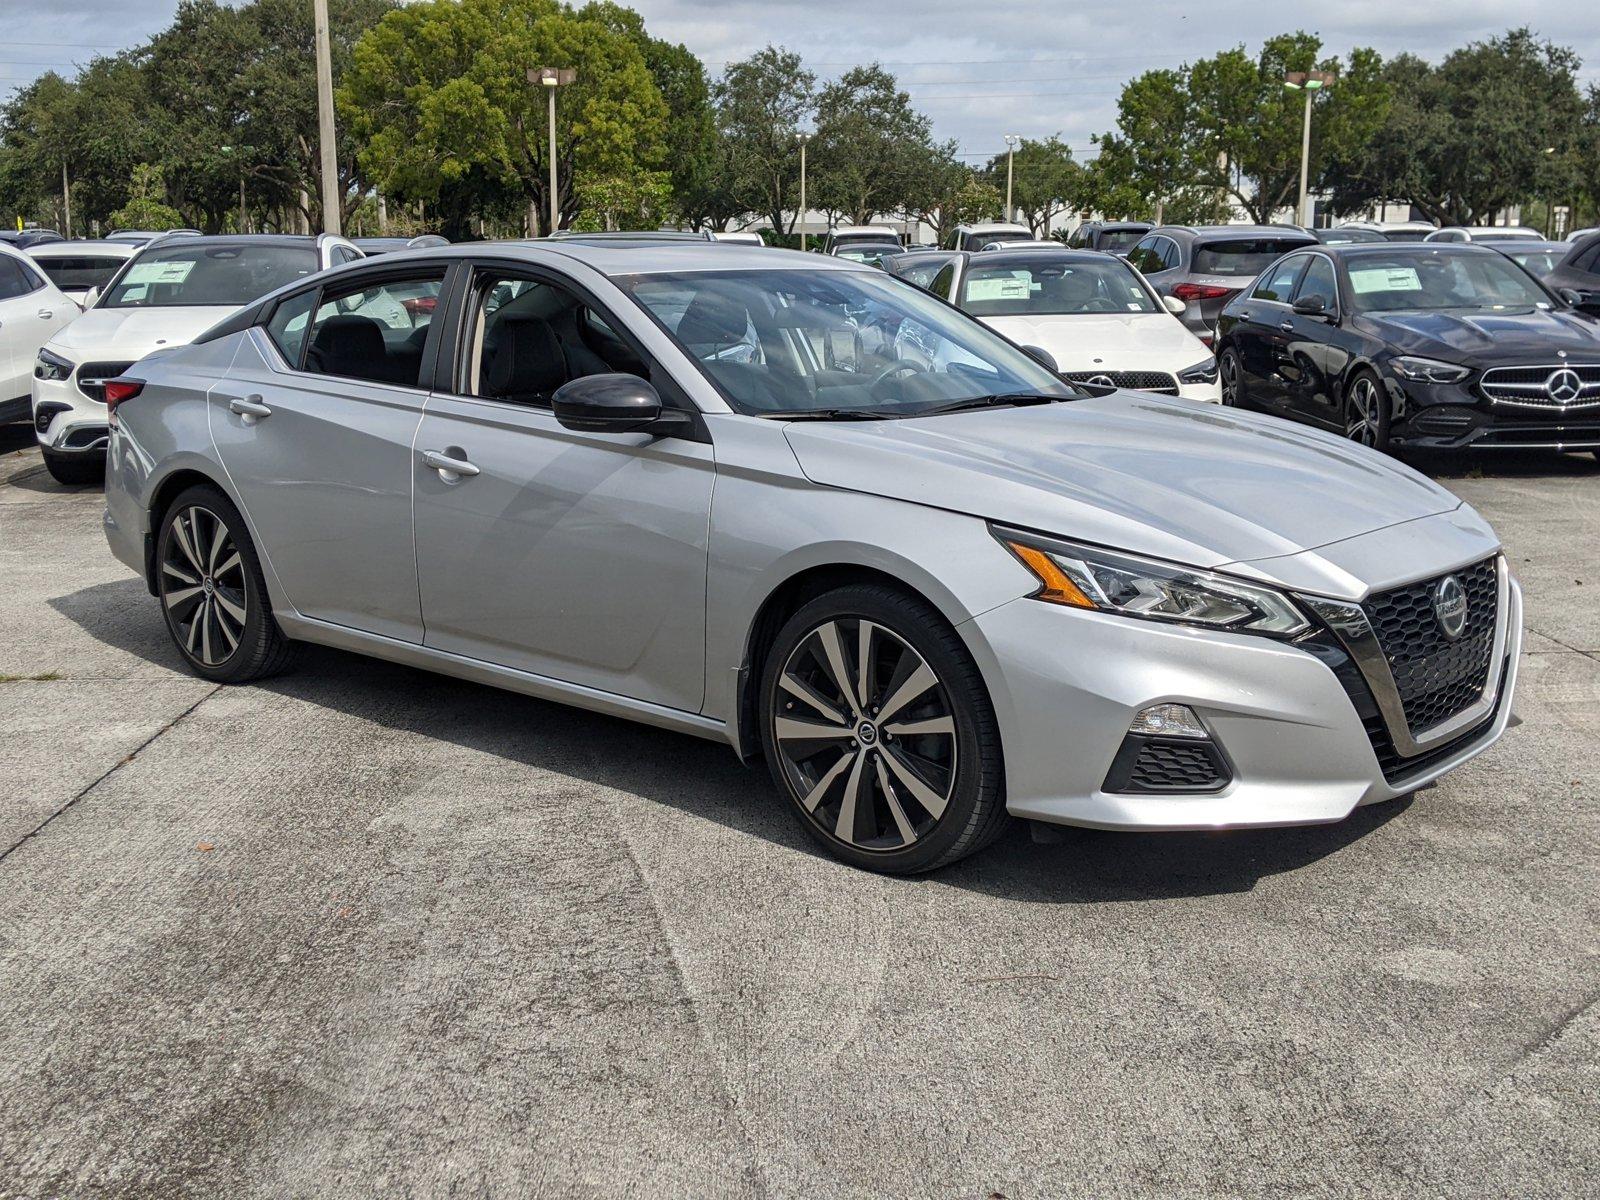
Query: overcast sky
[{"x": 980, "y": 70}]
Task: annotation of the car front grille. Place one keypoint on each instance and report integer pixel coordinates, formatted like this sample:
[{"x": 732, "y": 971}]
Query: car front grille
[
  {"x": 1558, "y": 386},
  {"x": 1437, "y": 677},
  {"x": 1142, "y": 381},
  {"x": 92, "y": 377}
]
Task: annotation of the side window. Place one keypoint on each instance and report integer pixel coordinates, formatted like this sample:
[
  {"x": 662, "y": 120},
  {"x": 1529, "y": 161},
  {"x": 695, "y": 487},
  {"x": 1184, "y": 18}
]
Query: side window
[
  {"x": 1319, "y": 282},
  {"x": 343, "y": 254},
  {"x": 941, "y": 282},
  {"x": 287, "y": 328},
  {"x": 1277, "y": 282},
  {"x": 530, "y": 336},
  {"x": 15, "y": 280},
  {"x": 374, "y": 330},
  {"x": 1144, "y": 256}
]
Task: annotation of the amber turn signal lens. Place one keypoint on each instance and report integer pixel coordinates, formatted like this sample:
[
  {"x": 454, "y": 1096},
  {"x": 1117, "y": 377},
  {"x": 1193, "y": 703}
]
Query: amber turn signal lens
[{"x": 1055, "y": 584}]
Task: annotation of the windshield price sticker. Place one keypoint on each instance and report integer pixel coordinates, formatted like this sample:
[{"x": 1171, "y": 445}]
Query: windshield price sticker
[
  {"x": 1385, "y": 279},
  {"x": 1008, "y": 287},
  {"x": 158, "y": 272}
]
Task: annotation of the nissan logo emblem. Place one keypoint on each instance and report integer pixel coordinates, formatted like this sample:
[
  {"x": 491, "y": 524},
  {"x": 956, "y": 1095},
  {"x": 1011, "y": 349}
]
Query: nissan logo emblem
[
  {"x": 1563, "y": 385},
  {"x": 1450, "y": 607}
]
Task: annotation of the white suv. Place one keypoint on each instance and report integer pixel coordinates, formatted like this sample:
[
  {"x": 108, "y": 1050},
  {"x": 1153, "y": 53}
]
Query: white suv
[
  {"x": 31, "y": 310},
  {"x": 171, "y": 291}
]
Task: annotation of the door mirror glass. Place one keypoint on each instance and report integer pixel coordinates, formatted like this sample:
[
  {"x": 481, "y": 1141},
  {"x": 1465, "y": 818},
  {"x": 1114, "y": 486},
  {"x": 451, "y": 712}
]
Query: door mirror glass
[
  {"x": 612, "y": 403},
  {"x": 1173, "y": 305}
]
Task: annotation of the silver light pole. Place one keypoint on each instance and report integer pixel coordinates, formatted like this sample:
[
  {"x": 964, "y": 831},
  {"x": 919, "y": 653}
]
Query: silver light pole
[
  {"x": 551, "y": 78},
  {"x": 804, "y": 138},
  {"x": 1011, "y": 144},
  {"x": 1309, "y": 82}
]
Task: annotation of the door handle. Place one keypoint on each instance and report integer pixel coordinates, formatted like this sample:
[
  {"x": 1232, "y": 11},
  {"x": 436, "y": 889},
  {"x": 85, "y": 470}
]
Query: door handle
[
  {"x": 46, "y": 313},
  {"x": 1286, "y": 326},
  {"x": 249, "y": 408},
  {"x": 450, "y": 469}
]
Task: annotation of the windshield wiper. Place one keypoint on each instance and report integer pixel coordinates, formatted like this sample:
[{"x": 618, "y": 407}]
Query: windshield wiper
[
  {"x": 1002, "y": 399},
  {"x": 831, "y": 414}
]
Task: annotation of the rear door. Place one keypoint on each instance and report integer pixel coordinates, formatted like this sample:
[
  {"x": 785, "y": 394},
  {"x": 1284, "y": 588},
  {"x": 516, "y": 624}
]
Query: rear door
[
  {"x": 30, "y": 311},
  {"x": 1261, "y": 336},
  {"x": 315, "y": 424}
]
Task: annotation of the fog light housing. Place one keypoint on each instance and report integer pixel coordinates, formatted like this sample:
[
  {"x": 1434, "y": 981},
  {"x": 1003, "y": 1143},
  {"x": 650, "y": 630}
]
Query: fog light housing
[{"x": 1168, "y": 720}]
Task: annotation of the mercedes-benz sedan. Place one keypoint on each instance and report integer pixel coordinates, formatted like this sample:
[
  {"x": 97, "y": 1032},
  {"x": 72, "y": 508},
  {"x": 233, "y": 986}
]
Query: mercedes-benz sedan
[{"x": 697, "y": 486}]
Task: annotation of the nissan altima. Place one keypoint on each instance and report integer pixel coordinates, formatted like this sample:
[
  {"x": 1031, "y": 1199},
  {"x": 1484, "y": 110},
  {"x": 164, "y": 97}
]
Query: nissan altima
[{"x": 696, "y": 486}]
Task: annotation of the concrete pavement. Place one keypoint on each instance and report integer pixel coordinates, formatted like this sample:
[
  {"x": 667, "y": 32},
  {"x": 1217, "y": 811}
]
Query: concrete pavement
[{"x": 364, "y": 931}]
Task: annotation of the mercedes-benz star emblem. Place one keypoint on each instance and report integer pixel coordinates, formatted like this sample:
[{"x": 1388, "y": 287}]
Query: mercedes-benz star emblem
[
  {"x": 1450, "y": 607},
  {"x": 1100, "y": 381},
  {"x": 1564, "y": 385}
]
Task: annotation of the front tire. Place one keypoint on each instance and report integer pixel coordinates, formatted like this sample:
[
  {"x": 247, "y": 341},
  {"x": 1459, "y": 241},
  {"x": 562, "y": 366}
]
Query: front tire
[
  {"x": 878, "y": 729},
  {"x": 75, "y": 469},
  {"x": 213, "y": 594},
  {"x": 1366, "y": 411}
]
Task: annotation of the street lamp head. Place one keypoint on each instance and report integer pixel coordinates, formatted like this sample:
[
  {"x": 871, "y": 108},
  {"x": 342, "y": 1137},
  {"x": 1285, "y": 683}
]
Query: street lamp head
[
  {"x": 1309, "y": 81},
  {"x": 1013, "y": 138},
  {"x": 552, "y": 76},
  {"x": 803, "y": 137}
]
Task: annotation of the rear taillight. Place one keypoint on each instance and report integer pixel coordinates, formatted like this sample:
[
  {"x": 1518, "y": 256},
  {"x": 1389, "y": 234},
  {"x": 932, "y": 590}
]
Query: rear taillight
[
  {"x": 118, "y": 391},
  {"x": 1201, "y": 291}
]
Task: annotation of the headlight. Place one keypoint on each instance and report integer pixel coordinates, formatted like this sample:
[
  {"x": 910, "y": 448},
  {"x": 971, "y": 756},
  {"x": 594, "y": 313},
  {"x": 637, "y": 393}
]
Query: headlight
[
  {"x": 1201, "y": 372},
  {"x": 1088, "y": 577},
  {"x": 52, "y": 366},
  {"x": 1428, "y": 370}
]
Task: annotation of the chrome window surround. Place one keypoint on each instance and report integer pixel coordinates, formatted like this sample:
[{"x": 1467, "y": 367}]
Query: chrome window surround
[{"x": 1349, "y": 622}]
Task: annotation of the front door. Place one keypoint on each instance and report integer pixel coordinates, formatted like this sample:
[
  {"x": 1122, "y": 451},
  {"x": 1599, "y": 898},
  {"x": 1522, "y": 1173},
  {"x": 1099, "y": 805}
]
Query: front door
[
  {"x": 1262, "y": 334},
  {"x": 576, "y": 556},
  {"x": 315, "y": 423}
]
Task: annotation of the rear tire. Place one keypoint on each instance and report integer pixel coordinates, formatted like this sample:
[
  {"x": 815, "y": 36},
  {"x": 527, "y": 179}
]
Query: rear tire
[
  {"x": 896, "y": 768},
  {"x": 213, "y": 594},
  {"x": 75, "y": 469},
  {"x": 1230, "y": 379}
]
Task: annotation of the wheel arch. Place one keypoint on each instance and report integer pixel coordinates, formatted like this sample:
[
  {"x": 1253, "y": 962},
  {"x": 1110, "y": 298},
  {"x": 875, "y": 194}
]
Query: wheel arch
[{"x": 166, "y": 490}]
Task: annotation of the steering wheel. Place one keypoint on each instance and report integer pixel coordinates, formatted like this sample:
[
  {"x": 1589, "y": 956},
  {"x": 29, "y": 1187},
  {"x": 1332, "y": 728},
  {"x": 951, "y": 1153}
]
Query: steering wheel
[{"x": 897, "y": 369}]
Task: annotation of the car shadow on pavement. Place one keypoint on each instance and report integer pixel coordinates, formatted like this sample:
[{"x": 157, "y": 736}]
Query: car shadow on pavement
[
  {"x": 1511, "y": 464},
  {"x": 704, "y": 778},
  {"x": 16, "y": 435}
]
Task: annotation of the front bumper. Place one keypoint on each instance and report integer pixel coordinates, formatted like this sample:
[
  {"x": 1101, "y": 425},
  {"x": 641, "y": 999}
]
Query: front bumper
[
  {"x": 1066, "y": 684},
  {"x": 65, "y": 420},
  {"x": 1459, "y": 417},
  {"x": 1210, "y": 393}
]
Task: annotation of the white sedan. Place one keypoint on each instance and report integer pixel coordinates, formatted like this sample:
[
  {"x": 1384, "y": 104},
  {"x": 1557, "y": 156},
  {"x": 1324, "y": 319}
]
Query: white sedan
[{"x": 1094, "y": 317}]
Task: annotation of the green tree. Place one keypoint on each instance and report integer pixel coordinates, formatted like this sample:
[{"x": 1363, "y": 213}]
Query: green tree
[
  {"x": 1487, "y": 128},
  {"x": 438, "y": 92},
  {"x": 870, "y": 146},
  {"x": 762, "y": 103},
  {"x": 146, "y": 207},
  {"x": 1045, "y": 181}
]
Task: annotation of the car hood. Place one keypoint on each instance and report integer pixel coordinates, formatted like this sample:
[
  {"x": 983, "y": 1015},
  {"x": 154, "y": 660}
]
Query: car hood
[
  {"x": 1114, "y": 341},
  {"x": 1487, "y": 338},
  {"x": 132, "y": 333},
  {"x": 1171, "y": 478}
]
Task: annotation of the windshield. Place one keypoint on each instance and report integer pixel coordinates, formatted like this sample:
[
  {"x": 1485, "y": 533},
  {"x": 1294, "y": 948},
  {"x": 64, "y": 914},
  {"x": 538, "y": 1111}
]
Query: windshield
[
  {"x": 1540, "y": 262},
  {"x": 1053, "y": 288},
  {"x": 80, "y": 272},
  {"x": 1121, "y": 239},
  {"x": 1347, "y": 237},
  {"x": 792, "y": 341},
  {"x": 868, "y": 252},
  {"x": 1242, "y": 256},
  {"x": 1440, "y": 280},
  {"x": 224, "y": 276}
]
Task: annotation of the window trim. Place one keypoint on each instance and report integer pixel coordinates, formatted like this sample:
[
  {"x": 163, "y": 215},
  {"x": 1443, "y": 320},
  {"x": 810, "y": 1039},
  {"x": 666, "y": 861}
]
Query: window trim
[
  {"x": 1337, "y": 310},
  {"x": 1294, "y": 283}
]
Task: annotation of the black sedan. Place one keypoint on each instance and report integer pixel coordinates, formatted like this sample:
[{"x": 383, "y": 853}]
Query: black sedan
[
  {"x": 1578, "y": 272},
  {"x": 1435, "y": 345}
]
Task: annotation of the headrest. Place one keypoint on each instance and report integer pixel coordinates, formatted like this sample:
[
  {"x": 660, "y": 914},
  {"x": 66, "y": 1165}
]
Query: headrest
[{"x": 527, "y": 360}]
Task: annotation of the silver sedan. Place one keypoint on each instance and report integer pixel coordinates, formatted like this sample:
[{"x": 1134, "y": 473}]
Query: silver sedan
[{"x": 802, "y": 507}]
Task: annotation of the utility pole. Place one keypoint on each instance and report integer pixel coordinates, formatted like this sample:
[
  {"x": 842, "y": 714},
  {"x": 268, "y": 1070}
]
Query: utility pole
[
  {"x": 325, "y": 130},
  {"x": 551, "y": 78},
  {"x": 1011, "y": 144},
  {"x": 801, "y": 218},
  {"x": 1309, "y": 82},
  {"x": 66, "y": 203}
]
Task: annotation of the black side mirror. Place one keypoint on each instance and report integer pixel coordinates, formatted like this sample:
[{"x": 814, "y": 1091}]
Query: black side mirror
[
  {"x": 1042, "y": 355},
  {"x": 614, "y": 403},
  {"x": 1587, "y": 302},
  {"x": 1311, "y": 306}
]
